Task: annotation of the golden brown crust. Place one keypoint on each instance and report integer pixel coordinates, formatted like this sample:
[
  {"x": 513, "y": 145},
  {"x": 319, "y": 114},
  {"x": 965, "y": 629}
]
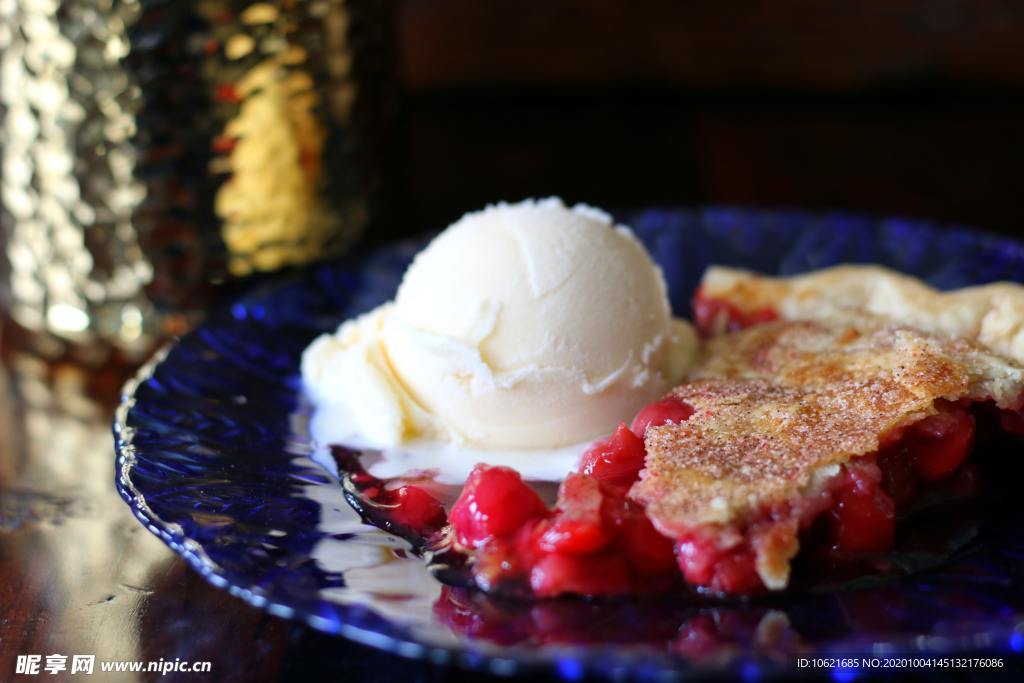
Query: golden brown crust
[
  {"x": 781, "y": 405},
  {"x": 992, "y": 314}
]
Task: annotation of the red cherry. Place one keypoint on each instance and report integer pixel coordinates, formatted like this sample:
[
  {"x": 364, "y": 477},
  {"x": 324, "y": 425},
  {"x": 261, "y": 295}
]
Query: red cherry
[
  {"x": 863, "y": 519},
  {"x": 417, "y": 509},
  {"x": 731, "y": 570},
  {"x": 715, "y": 316},
  {"x": 940, "y": 442},
  {"x": 710, "y": 315},
  {"x": 649, "y": 553},
  {"x": 736, "y": 573},
  {"x": 601, "y": 574},
  {"x": 577, "y": 527},
  {"x": 696, "y": 556},
  {"x": 572, "y": 537},
  {"x": 666, "y": 411},
  {"x": 616, "y": 460},
  {"x": 494, "y": 502}
]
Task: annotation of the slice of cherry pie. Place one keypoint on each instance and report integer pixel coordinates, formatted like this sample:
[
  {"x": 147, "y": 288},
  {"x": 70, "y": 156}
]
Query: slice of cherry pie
[{"x": 806, "y": 425}]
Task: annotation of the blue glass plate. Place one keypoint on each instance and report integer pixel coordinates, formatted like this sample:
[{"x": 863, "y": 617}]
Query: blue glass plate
[{"x": 213, "y": 456}]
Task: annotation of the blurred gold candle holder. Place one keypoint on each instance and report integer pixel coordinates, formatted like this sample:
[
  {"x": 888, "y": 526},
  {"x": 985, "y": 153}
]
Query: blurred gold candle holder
[{"x": 154, "y": 150}]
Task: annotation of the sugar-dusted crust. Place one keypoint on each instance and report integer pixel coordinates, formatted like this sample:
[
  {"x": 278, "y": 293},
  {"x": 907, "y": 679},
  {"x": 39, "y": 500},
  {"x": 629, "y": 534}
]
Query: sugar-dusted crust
[
  {"x": 814, "y": 356},
  {"x": 780, "y": 406},
  {"x": 992, "y": 315}
]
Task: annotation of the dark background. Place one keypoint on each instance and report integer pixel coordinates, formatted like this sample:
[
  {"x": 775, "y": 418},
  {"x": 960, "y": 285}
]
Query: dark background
[{"x": 911, "y": 107}]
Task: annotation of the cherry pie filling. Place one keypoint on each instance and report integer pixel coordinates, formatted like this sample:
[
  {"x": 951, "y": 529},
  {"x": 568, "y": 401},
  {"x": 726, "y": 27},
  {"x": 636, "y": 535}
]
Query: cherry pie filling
[
  {"x": 717, "y": 316},
  {"x": 852, "y": 516},
  {"x": 595, "y": 541}
]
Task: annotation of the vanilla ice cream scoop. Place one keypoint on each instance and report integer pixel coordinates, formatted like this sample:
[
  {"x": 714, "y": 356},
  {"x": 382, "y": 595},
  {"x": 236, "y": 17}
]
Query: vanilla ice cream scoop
[{"x": 524, "y": 326}]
